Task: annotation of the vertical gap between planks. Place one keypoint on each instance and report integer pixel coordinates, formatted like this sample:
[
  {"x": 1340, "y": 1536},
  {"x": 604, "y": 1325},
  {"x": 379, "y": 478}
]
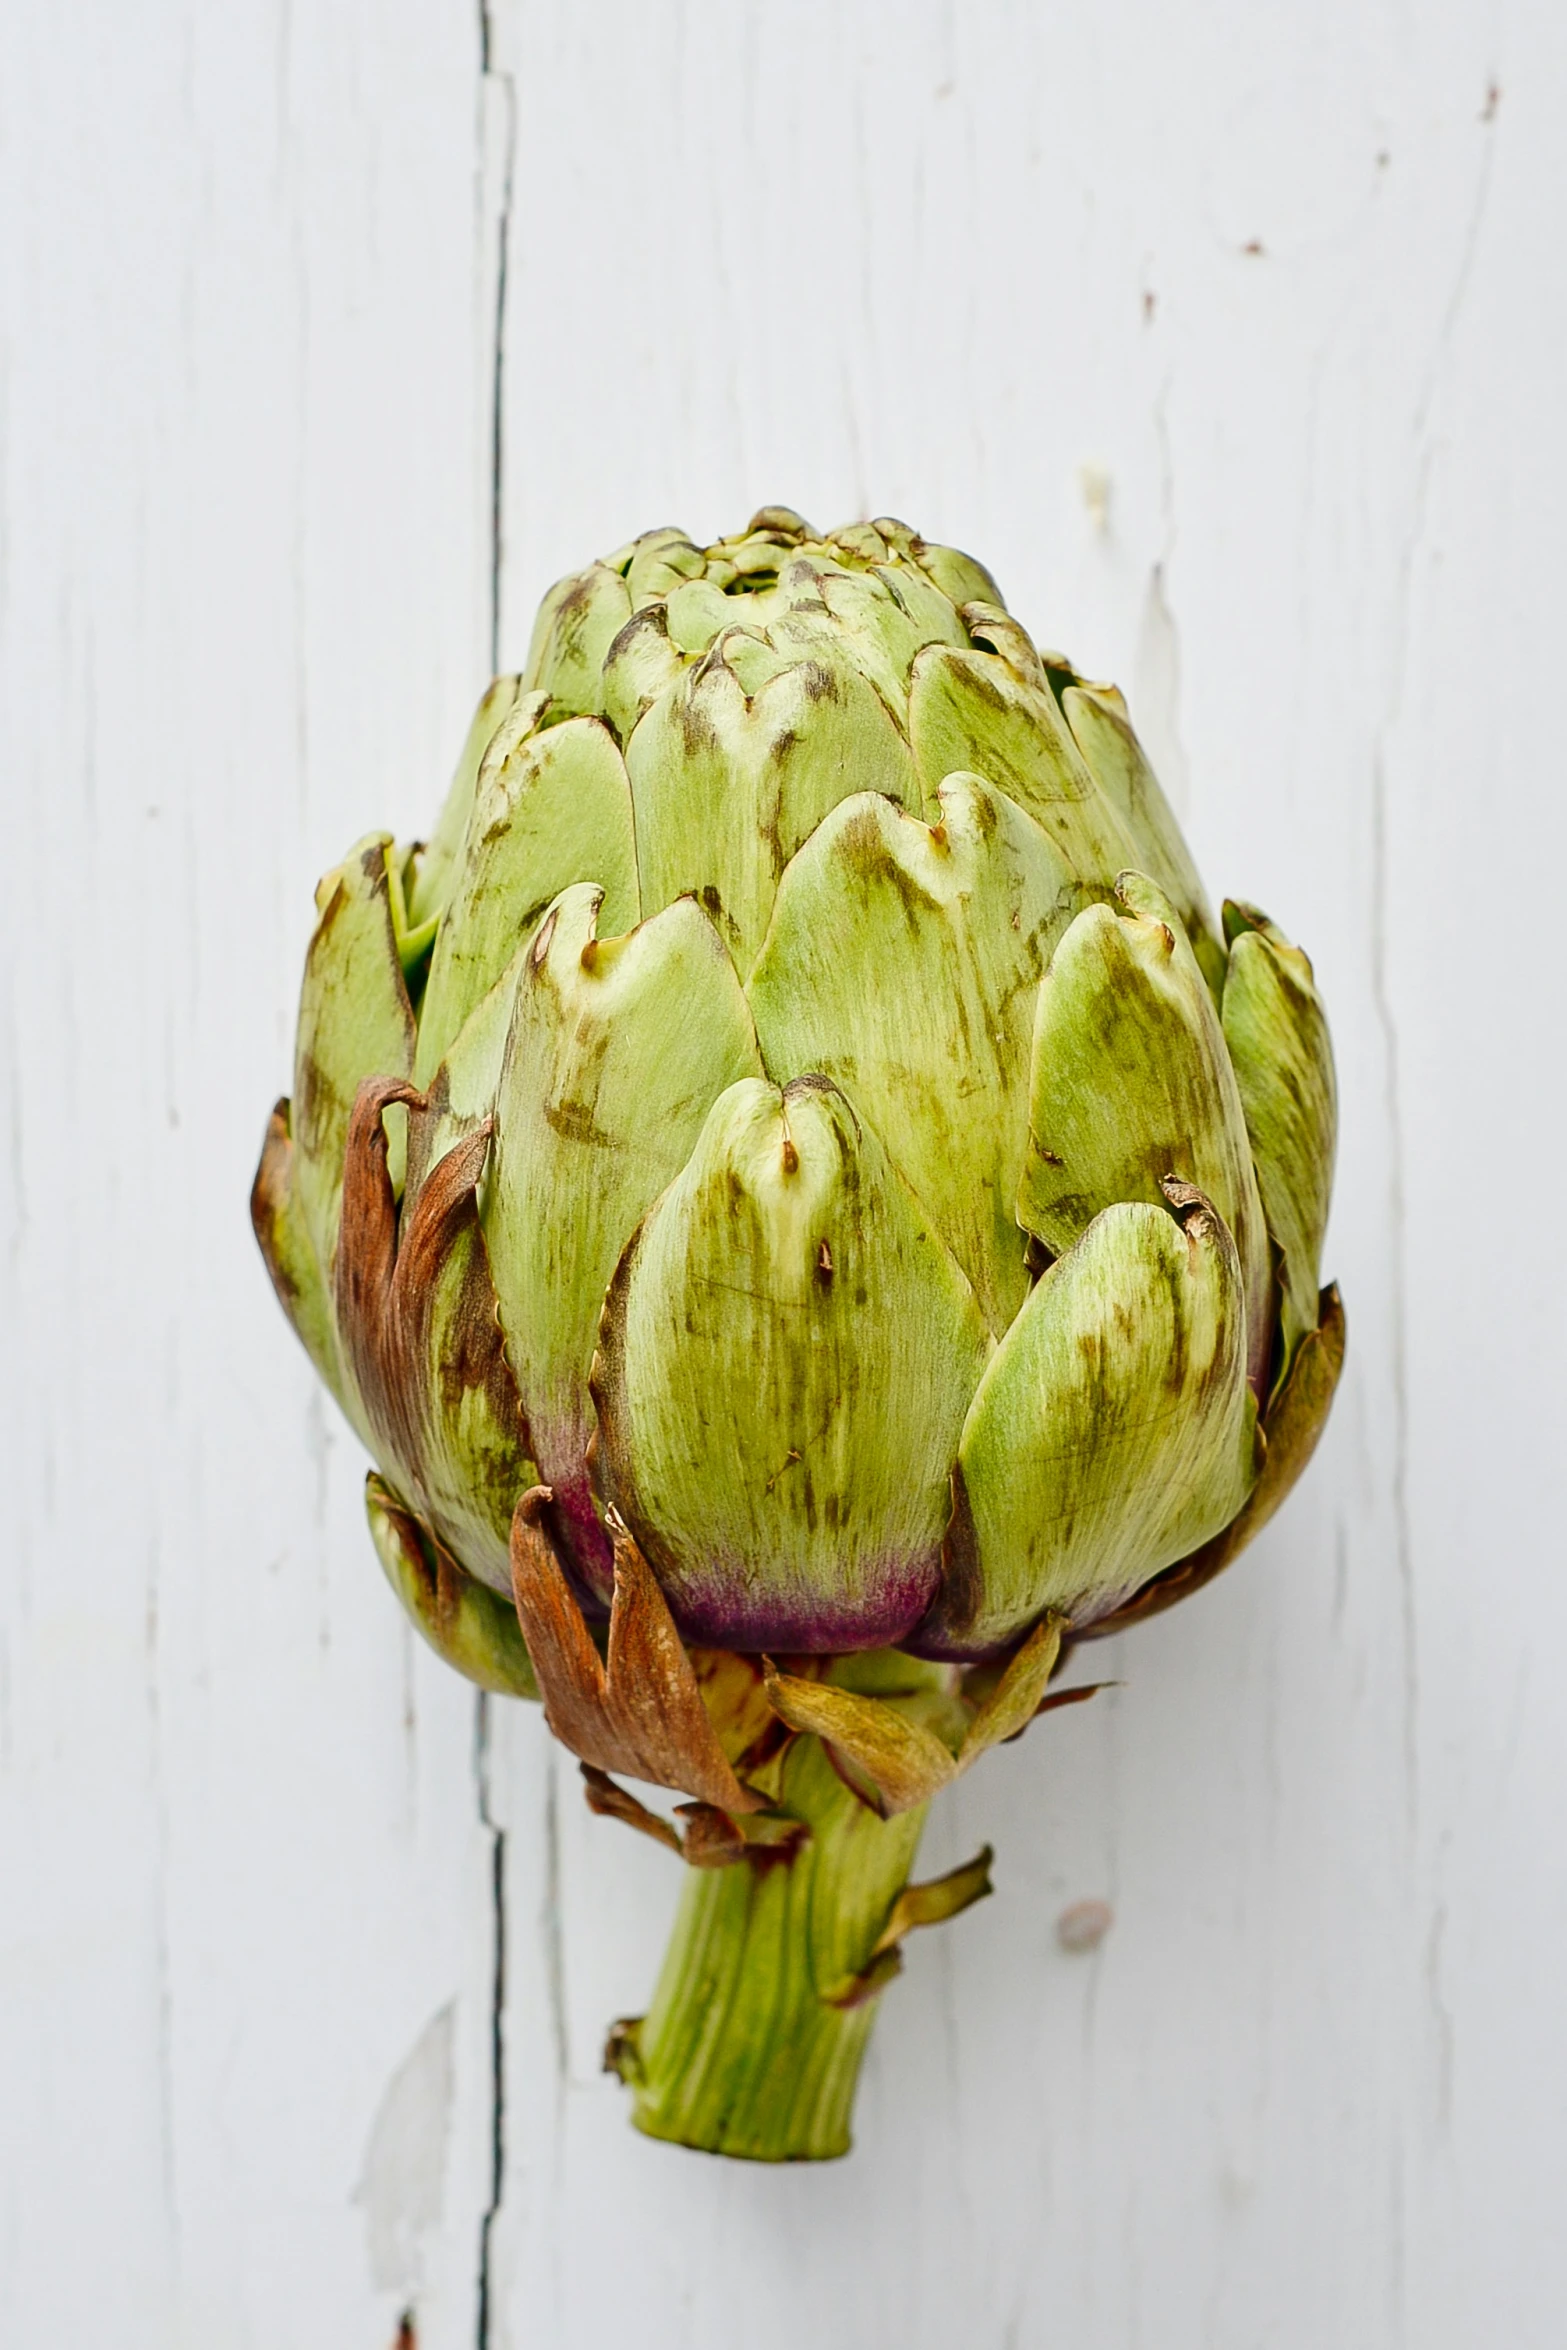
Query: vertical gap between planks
[
  {"x": 497, "y": 1836},
  {"x": 496, "y": 93},
  {"x": 494, "y": 86}
]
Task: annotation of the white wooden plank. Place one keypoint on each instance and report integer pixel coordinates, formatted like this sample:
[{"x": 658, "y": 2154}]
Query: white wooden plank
[
  {"x": 1204, "y": 328},
  {"x": 246, "y": 585}
]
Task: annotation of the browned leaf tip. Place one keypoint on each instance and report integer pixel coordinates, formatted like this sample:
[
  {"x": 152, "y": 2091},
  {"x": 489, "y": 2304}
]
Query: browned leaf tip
[
  {"x": 711, "y": 1840},
  {"x": 367, "y": 1233},
  {"x": 387, "y": 1278},
  {"x": 641, "y": 1713},
  {"x": 1077, "y": 1696},
  {"x": 613, "y": 1802}
]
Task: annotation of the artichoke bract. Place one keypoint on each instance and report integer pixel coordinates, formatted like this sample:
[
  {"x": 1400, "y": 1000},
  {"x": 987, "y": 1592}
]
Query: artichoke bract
[{"x": 811, "y": 1217}]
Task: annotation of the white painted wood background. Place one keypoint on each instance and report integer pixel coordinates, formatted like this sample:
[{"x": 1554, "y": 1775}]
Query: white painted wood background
[{"x": 1233, "y": 337}]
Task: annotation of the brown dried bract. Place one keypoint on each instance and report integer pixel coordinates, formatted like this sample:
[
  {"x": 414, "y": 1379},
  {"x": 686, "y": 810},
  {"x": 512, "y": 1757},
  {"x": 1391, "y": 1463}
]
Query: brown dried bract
[
  {"x": 639, "y": 1712},
  {"x": 712, "y": 1840},
  {"x": 387, "y": 1278}
]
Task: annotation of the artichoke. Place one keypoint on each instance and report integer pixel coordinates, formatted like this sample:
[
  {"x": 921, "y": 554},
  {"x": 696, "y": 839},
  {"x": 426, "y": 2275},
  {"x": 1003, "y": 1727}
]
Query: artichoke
[{"x": 811, "y": 1219}]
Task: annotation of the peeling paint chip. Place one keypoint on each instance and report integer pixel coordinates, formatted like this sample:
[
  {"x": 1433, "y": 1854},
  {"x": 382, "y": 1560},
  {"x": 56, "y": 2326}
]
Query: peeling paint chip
[
  {"x": 1084, "y": 1925},
  {"x": 402, "y": 2189}
]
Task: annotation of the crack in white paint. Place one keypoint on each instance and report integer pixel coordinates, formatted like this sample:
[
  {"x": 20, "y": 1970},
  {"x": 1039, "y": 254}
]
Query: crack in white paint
[
  {"x": 1409, "y": 551},
  {"x": 484, "y": 2305},
  {"x": 1408, "y": 554},
  {"x": 402, "y": 2186}
]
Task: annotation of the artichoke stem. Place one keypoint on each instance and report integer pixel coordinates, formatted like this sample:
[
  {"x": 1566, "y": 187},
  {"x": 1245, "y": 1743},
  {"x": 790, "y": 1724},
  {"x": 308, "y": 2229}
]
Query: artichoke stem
[{"x": 742, "y": 2051}]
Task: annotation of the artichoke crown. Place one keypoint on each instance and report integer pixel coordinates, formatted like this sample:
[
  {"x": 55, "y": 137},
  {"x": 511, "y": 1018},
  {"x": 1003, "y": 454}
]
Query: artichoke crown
[{"x": 798, "y": 1111}]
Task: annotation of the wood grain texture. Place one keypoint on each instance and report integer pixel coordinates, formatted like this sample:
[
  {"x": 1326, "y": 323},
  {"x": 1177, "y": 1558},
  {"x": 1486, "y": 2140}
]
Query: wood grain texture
[{"x": 1233, "y": 340}]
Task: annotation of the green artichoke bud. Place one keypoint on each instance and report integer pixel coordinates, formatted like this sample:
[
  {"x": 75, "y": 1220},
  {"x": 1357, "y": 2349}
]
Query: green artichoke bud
[{"x": 792, "y": 1169}]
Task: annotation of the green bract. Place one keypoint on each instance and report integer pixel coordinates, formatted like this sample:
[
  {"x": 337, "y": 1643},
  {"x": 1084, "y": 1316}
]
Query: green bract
[{"x": 792, "y": 1167}]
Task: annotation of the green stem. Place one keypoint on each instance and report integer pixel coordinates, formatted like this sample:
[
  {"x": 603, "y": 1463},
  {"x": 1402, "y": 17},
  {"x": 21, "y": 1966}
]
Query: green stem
[{"x": 740, "y": 2052}]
